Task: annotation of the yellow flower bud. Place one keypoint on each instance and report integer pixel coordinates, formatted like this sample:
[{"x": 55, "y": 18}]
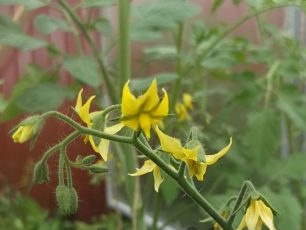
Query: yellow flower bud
[{"x": 23, "y": 133}]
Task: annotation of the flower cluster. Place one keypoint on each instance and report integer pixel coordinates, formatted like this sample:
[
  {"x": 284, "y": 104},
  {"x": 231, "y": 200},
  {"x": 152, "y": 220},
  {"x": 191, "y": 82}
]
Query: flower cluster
[{"x": 182, "y": 108}]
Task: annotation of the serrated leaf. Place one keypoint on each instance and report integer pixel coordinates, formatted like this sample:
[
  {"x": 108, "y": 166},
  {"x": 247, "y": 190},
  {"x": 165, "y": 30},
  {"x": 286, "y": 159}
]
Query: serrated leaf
[
  {"x": 97, "y": 3},
  {"x": 83, "y": 69},
  {"x": 263, "y": 135},
  {"x": 41, "y": 98},
  {"x": 29, "y": 4},
  {"x": 152, "y": 17},
  {"x": 46, "y": 24}
]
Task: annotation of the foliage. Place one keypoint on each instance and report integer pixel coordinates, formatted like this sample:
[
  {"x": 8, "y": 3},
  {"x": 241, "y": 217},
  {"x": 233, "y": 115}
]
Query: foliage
[{"x": 262, "y": 107}]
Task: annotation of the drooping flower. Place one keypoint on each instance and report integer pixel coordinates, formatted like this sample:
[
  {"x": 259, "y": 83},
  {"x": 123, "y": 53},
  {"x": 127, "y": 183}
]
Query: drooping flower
[
  {"x": 150, "y": 166},
  {"x": 143, "y": 112},
  {"x": 257, "y": 215},
  {"x": 190, "y": 156},
  {"x": 23, "y": 133},
  {"x": 102, "y": 145}
]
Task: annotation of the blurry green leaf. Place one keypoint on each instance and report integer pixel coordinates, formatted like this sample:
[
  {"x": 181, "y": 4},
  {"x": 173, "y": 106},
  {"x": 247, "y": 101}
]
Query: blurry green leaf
[
  {"x": 292, "y": 102},
  {"x": 41, "y": 98},
  {"x": 83, "y": 69},
  {"x": 46, "y": 24},
  {"x": 216, "y": 5},
  {"x": 219, "y": 61},
  {"x": 11, "y": 34},
  {"x": 103, "y": 26},
  {"x": 152, "y": 17},
  {"x": 29, "y": 4},
  {"x": 3, "y": 103},
  {"x": 169, "y": 190},
  {"x": 162, "y": 78},
  {"x": 33, "y": 76},
  {"x": 263, "y": 135},
  {"x": 161, "y": 52},
  {"x": 98, "y": 3}
]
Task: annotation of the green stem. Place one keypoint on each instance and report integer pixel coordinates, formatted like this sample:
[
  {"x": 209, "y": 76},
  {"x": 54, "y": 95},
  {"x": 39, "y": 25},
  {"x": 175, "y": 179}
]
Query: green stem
[
  {"x": 61, "y": 166},
  {"x": 88, "y": 131},
  {"x": 178, "y": 82},
  {"x": 156, "y": 212},
  {"x": 110, "y": 87},
  {"x": 238, "y": 202},
  {"x": 185, "y": 185},
  {"x": 124, "y": 41}
]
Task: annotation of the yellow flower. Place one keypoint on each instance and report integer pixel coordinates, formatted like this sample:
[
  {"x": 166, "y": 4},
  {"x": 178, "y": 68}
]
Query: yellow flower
[
  {"x": 181, "y": 112},
  {"x": 189, "y": 156},
  {"x": 256, "y": 215},
  {"x": 188, "y": 101},
  {"x": 144, "y": 111},
  {"x": 83, "y": 112},
  {"x": 150, "y": 166},
  {"x": 23, "y": 133}
]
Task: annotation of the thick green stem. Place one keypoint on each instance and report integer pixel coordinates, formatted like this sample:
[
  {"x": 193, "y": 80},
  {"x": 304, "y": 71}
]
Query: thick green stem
[
  {"x": 124, "y": 41},
  {"x": 110, "y": 87},
  {"x": 185, "y": 185}
]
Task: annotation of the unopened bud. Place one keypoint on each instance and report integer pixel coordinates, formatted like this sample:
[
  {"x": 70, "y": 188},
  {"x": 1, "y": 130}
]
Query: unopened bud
[
  {"x": 67, "y": 199},
  {"x": 41, "y": 173},
  {"x": 98, "y": 168},
  {"x": 88, "y": 160}
]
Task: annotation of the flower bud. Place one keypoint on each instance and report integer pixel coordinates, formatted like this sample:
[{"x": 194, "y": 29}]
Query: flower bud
[
  {"x": 98, "y": 168},
  {"x": 41, "y": 173},
  {"x": 67, "y": 199},
  {"x": 28, "y": 128},
  {"x": 88, "y": 160}
]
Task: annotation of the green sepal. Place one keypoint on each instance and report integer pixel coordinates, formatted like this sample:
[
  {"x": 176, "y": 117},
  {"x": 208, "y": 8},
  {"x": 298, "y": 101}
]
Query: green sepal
[
  {"x": 98, "y": 168},
  {"x": 41, "y": 173},
  {"x": 67, "y": 199}
]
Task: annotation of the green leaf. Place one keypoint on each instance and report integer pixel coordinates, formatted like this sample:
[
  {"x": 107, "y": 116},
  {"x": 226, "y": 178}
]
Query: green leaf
[
  {"x": 46, "y": 24},
  {"x": 41, "y": 98},
  {"x": 103, "y": 26},
  {"x": 153, "y": 17},
  {"x": 29, "y": 4},
  {"x": 11, "y": 34},
  {"x": 292, "y": 102},
  {"x": 161, "y": 53},
  {"x": 3, "y": 103},
  {"x": 83, "y": 69},
  {"x": 169, "y": 190},
  {"x": 263, "y": 135},
  {"x": 98, "y": 3},
  {"x": 216, "y": 5}
]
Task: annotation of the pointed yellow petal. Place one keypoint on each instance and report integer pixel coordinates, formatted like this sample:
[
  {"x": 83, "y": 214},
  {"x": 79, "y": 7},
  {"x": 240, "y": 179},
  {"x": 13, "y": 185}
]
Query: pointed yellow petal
[
  {"x": 251, "y": 216},
  {"x": 211, "y": 159},
  {"x": 79, "y": 102},
  {"x": 162, "y": 109},
  {"x": 157, "y": 178},
  {"x": 145, "y": 124},
  {"x": 129, "y": 105},
  {"x": 104, "y": 144},
  {"x": 149, "y": 100},
  {"x": 170, "y": 144},
  {"x": 91, "y": 141},
  {"x": 23, "y": 133},
  {"x": 147, "y": 167},
  {"x": 266, "y": 215}
]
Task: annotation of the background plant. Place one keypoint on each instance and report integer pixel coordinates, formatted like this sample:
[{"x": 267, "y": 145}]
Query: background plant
[{"x": 261, "y": 109}]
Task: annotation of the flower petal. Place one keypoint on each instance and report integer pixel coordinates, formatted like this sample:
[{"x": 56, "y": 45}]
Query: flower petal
[
  {"x": 197, "y": 169},
  {"x": 145, "y": 124},
  {"x": 252, "y": 216},
  {"x": 147, "y": 167},
  {"x": 79, "y": 102},
  {"x": 187, "y": 99},
  {"x": 162, "y": 109},
  {"x": 131, "y": 122},
  {"x": 170, "y": 145},
  {"x": 266, "y": 215},
  {"x": 149, "y": 100},
  {"x": 242, "y": 224},
  {"x": 129, "y": 105},
  {"x": 157, "y": 178},
  {"x": 211, "y": 159}
]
